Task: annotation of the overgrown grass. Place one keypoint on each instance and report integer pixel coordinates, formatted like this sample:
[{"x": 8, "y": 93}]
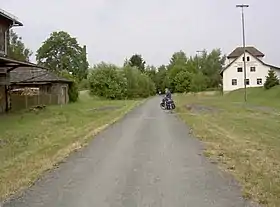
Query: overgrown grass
[
  {"x": 243, "y": 138},
  {"x": 32, "y": 143}
]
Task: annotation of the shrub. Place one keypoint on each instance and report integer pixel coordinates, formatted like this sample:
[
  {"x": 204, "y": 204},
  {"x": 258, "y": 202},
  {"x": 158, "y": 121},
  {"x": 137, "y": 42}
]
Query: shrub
[
  {"x": 182, "y": 80},
  {"x": 84, "y": 84},
  {"x": 108, "y": 81},
  {"x": 73, "y": 90},
  {"x": 271, "y": 80},
  {"x": 198, "y": 82},
  {"x": 111, "y": 82}
]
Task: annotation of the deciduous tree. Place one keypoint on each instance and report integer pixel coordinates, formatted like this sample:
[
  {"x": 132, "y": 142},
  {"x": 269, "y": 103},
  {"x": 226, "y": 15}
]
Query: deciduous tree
[{"x": 62, "y": 52}]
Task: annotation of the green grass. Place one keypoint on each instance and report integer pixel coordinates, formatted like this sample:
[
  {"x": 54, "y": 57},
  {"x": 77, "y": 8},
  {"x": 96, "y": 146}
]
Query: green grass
[
  {"x": 31, "y": 143},
  {"x": 243, "y": 138}
]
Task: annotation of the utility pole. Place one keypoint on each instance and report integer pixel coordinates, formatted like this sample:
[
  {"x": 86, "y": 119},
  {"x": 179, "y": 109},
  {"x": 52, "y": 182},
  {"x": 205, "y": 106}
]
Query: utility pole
[{"x": 242, "y": 6}]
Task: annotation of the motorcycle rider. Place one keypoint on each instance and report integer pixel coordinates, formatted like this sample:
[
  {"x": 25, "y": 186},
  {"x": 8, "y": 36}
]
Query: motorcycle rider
[
  {"x": 167, "y": 93},
  {"x": 167, "y": 96}
]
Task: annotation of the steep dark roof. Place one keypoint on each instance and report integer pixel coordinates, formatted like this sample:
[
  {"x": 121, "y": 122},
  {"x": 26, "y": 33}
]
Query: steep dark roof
[
  {"x": 239, "y": 51},
  {"x": 33, "y": 75},
  {"x": 8, "y": 64}
]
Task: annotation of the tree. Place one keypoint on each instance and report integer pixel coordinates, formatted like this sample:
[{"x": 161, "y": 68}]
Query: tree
[
  {"x": 198, "y": 82},
  {"x": 211, "y": 64},
  {"x": 62, "y": 52},
  {"x": 151, "y": 72},
  {"x": 182, "y": 81},
  {"x": 161, "y": 79},
  {"x": 178, "y": 58},
  {"x": 178, "y": 62},
  {"x": 271, "y": 80},
  {"x": 137, "y": 61},
  {"x": 17, "y": 49},
  {"x": 112, "y": 82}
]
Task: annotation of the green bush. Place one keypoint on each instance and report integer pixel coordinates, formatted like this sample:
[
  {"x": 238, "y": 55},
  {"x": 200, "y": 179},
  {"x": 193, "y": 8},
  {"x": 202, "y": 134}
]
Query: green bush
[
  {"x": 271, "y": 80},
  {"x": 198, "y": 82},
  {"x": 138, "y": 84},
  {"x": 73, "y": 90},
  {"x": 182, "y": 81},
  {"x": 112, "y": 82},
  {"x": 108, "y": 81},
  {"x": 84, "y": 84}
]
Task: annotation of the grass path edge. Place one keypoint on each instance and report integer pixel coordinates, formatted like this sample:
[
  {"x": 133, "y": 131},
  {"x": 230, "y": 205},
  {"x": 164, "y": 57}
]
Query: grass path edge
[{"x": 65, "y": 152}]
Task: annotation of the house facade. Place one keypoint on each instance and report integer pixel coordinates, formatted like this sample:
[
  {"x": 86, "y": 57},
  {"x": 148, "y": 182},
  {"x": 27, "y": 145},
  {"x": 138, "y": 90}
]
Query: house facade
[
  {"x": 256, "y": 69},
  {"x": 7, "y": 21}
]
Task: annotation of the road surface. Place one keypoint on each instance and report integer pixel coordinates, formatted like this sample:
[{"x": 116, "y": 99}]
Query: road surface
[{"x": 146, "y": 160}]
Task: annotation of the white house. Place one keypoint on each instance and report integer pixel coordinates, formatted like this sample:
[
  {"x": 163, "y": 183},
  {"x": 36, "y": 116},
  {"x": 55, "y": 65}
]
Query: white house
[{"x": 256, "y": 69}]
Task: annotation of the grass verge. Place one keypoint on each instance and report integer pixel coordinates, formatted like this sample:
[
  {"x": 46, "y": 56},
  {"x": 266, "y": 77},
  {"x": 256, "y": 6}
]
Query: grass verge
[
  {"x": 243, "y": 138},
  {"x": 31, "y": 143}
]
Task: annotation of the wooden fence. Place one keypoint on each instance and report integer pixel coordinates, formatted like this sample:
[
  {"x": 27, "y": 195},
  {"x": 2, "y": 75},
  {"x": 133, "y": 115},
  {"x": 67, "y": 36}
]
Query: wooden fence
[{"x": 19, "y": 102}]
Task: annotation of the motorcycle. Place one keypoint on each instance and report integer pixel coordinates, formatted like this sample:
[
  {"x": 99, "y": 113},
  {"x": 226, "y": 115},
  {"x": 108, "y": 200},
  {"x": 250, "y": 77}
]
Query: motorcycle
[{"x": 167, "y": 104}]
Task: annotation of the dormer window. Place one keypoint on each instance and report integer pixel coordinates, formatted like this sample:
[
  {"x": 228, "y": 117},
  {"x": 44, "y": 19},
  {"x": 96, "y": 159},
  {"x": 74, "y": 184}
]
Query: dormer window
[{"x": 248, "y": 58}]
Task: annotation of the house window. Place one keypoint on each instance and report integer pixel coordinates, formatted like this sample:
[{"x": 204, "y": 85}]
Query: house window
[
  {"x": 2, "y": 40},
  {"x": 248, "y": 58},
  {"x": 247, "y": 82},
  {"x": 239, "y": 69},
  {"x": 243, "y": 58},
  {"x": 234, "y": 82},
  {"x": 259, "y": 81},
  {"x": 253, "y": 69}
]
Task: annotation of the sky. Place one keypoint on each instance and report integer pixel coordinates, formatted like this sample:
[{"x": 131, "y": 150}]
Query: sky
[{"x": 114, "y": 30}]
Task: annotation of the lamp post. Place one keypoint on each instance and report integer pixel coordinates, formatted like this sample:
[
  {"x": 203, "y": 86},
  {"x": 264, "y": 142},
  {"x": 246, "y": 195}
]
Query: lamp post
[{"x": 242, "y": 6}]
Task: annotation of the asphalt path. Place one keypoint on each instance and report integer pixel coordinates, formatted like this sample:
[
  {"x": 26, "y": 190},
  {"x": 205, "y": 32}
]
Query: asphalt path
[{"x": 148, "y": 159}]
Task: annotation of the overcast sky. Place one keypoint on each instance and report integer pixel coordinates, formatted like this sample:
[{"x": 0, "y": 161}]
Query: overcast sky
[{"x": 116, "y": 29}]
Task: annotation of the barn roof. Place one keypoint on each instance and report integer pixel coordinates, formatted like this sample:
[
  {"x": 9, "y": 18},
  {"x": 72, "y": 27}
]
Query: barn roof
[{"x": 35, "y": 75}]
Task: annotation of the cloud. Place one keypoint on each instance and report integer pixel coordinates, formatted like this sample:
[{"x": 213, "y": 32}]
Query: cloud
[{"x": 115, "y": 29}]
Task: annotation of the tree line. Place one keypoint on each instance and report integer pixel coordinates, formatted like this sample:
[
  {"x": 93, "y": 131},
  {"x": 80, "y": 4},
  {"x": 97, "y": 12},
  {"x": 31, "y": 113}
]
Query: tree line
[{"x": 63, "y": 55}]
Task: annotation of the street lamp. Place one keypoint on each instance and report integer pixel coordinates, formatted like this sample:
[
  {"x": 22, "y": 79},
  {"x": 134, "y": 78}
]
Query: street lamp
[
  {"x": 197, "y": 52},
  {"x": 242, "y": 6}
]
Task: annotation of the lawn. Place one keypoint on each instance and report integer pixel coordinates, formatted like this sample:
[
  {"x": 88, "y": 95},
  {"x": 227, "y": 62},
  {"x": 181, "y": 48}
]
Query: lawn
[
  {"x": 31, "y": 143},
  {"x": 243, "y": 139}
]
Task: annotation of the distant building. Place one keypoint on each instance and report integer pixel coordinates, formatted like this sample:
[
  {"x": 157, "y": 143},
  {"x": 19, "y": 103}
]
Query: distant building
[{"x": 256, "y": 69}]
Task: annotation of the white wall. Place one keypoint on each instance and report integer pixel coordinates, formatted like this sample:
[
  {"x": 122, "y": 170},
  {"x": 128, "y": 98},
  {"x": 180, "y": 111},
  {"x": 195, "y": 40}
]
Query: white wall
[{"x": 231, "y": 73}]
